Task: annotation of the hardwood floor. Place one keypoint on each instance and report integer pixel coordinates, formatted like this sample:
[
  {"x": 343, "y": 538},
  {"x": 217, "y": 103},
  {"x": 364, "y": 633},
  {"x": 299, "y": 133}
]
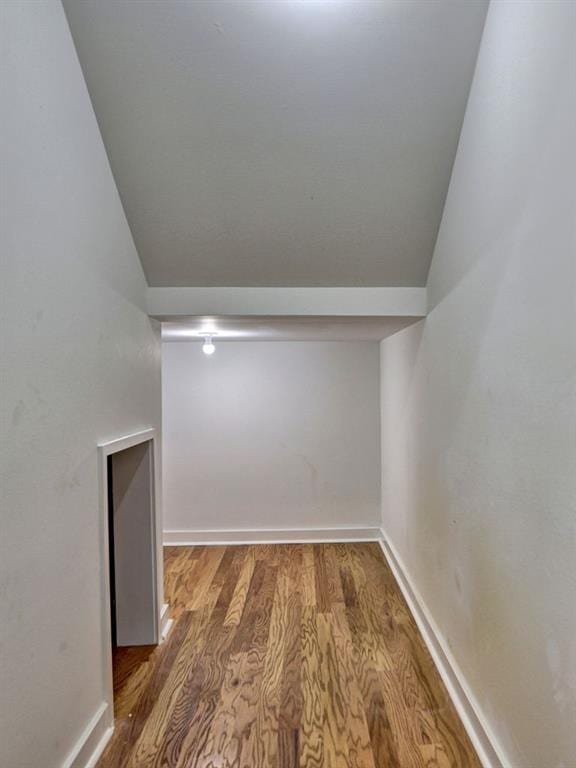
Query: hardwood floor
[{"x": 284, "y": 656}]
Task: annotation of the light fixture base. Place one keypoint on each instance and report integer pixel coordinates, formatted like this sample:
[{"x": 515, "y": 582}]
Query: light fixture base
[{"x": 208, "y": 347}]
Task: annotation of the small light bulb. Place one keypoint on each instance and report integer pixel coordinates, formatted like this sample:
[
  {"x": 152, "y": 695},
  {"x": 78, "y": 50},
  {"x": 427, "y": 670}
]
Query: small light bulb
[{"x": 208, "y": 348}]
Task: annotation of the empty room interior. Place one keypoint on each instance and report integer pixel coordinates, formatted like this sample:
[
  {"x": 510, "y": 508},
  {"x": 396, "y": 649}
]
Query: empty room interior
[{"x": 288, "y": 384}]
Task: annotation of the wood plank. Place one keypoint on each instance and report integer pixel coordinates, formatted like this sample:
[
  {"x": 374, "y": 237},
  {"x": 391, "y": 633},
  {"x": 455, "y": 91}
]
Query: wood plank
[
  {"x": 334, "y": 699},
  {"x": 232, "y": 575},
  {"x": 261, "y": 747},
  {"x": 355, "y": 725},
  {"x": 323, "y": 595},
  {"x": 311, "y": 733},
  {"x": 291, "y": 698},
  {"x": 201, "y": 577},
  {"x": 236, "y": 608},
  {"x": 308, "y": 576},
  {"x": 252, "y": 631},
  {"x": 176, "y": 573},
  {"x": 333, "y": 556}
]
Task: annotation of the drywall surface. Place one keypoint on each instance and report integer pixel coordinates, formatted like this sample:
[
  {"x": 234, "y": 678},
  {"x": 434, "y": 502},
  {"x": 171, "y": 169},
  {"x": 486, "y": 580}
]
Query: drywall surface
[
  {"x": 80, "y": 365},
  {"x": 271, "y": 435},
  {"x": 479, "y": 400}
]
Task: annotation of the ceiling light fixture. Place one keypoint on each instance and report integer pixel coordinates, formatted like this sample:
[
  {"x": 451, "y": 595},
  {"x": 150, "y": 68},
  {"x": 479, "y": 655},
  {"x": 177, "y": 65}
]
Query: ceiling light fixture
[{"x": 208, "y": 347}]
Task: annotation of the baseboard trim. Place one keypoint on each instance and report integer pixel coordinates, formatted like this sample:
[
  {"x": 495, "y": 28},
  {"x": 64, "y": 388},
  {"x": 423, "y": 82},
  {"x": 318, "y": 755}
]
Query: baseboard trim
[
  {"x": 270, "y": 536},
  {"x": 165, "y": 622},
  {"x": 93, "y": 740},
  {"x": 483, "y": 740},
  {"x": 164, "y": 618}
]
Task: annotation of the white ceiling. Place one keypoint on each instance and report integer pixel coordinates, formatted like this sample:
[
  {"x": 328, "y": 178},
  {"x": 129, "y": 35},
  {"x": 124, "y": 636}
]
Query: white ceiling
[
  {"x": 280, "y": 142},
  {"x": 285, "y": 328}
]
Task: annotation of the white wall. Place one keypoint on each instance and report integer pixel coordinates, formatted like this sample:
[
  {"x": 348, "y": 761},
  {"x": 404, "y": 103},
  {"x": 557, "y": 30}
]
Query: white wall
[
  {"x": 80, "y": 364},
  {"x": 271, "y": 435},
  {"x": 478, "y": 400}
]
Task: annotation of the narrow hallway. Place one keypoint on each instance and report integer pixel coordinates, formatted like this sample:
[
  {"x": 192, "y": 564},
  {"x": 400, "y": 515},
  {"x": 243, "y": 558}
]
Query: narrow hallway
[{"x": 288, "y": 384}]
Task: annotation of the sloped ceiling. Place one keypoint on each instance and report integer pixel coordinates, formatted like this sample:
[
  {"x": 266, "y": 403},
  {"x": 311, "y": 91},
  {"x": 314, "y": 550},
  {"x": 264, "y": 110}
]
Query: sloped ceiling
[{"x": 280, "y": 142}]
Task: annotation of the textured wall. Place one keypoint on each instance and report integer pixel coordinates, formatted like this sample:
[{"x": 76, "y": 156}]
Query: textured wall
[
  {"x": 80, "y": 364},
  {"x": 271, "y": 435},
  {"x": 478, "y": 400}
]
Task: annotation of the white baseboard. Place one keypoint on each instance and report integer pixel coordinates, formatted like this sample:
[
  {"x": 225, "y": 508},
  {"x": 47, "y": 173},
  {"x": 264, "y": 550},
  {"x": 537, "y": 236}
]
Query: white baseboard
[
  {"x": 270, "y": 536},
  {"x": 481, "y": 736},
  {"x": 164, "y": 618},
  {"x": 93, "y": 740},
  {"x": 165, "y": 622}
]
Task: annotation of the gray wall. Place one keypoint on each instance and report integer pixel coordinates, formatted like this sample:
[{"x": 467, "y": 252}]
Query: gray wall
[
  {"x": 80, "y": 364},
  {"x": 478, "y": 401},
  {"x": 271, "y": 435}
]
